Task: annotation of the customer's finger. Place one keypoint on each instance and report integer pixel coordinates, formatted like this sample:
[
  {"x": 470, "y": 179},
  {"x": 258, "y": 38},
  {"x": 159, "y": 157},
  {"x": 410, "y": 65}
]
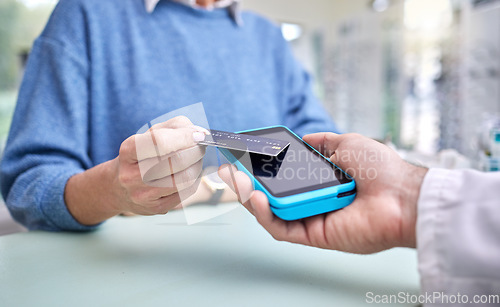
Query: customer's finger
[
  {"x": 160, "y": 142},
  {"x": 180, "y": 180},
  {"x": 154, "y": 169},
  {"x": 167, "y": 203},
  {"x": 174, "y": 123}
]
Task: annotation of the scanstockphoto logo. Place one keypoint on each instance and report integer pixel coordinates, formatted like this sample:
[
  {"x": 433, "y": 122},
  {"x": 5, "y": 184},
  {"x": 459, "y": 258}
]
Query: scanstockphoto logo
[{"x": 431, "y": 298}]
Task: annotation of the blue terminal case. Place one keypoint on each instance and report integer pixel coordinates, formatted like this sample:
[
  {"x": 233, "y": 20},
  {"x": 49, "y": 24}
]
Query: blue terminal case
[{"x": 305, "y": 204}]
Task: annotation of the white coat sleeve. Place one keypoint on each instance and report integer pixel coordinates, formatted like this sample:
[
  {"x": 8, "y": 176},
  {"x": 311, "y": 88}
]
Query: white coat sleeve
[{"x": 458, "y": 237}]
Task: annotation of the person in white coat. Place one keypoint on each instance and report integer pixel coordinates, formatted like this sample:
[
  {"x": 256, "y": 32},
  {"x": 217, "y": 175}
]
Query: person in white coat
[{"x": 452, "y": 217}]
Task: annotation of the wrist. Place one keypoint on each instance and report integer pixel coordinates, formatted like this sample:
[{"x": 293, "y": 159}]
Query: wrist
[
  {"x": 114, "y": 196},
  {"x": 87, "y": 195},
  {"x": 410, "y": 192}
]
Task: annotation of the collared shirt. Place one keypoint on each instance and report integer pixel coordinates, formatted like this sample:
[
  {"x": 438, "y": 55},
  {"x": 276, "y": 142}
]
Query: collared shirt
[
  {"x": 233, "y": 6},
  {"x": 458, "y": 236}
]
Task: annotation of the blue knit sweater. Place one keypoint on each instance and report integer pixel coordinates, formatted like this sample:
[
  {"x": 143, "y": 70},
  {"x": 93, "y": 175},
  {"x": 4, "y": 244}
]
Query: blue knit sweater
[{"x": 102, "y": 69}]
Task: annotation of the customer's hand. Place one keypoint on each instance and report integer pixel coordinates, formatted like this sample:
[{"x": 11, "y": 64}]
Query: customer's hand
[
  {"x": 154, "y": 172},
  {"x": 382, "y": 216},
  {"x": 157, "y": 170}
]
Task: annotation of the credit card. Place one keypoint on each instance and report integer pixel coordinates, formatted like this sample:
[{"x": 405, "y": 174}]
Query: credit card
[{"x": 243, "y": 142}]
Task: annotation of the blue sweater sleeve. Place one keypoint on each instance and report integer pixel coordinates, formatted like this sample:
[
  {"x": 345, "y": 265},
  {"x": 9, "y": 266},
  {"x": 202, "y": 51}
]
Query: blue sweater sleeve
[
  {"x": 48, "y": 139},
  {"x": 304, "y": 112}
]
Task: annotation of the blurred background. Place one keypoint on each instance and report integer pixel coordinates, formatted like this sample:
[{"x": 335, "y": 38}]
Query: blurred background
[{"x": 420, "y": 75}]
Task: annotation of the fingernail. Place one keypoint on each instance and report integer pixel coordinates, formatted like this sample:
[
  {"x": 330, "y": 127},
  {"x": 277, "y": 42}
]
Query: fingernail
[
  {"x": 201, "y": 129},
  {"x": 198, "y": 136}
]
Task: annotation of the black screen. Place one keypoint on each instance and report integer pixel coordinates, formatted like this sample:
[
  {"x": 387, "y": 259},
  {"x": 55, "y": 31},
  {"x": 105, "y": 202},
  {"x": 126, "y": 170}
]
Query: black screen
[{"x": 297, "y": 169}]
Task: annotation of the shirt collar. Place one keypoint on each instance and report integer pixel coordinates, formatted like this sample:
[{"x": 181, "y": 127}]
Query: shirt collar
[{"x": 233, "y": 6}]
